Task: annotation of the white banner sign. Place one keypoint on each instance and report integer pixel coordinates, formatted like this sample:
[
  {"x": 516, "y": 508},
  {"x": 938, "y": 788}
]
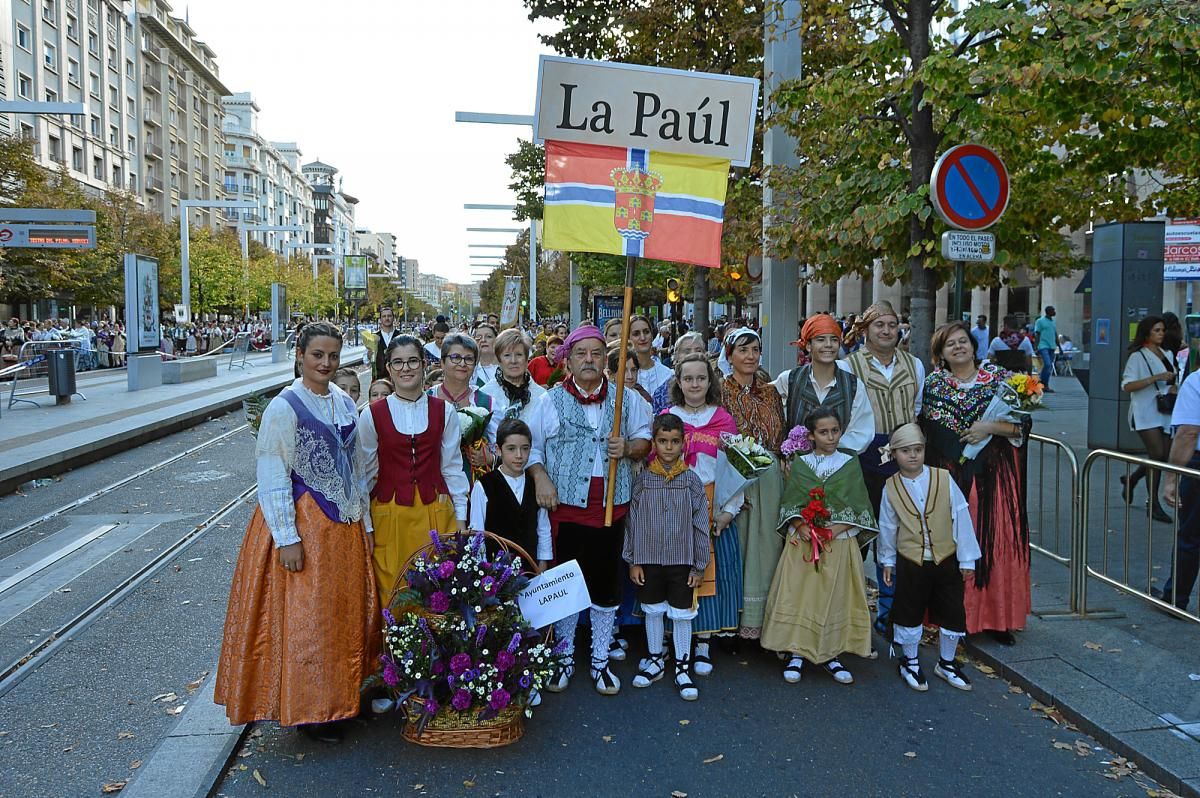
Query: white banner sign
[
  {"x": 1181, "y": 250},
  {"x": 963, "y": 245},
  {"x": 556, "y": 594},
  {"x": 650, "y": 108},
  {"x": 512, "y": 300}
]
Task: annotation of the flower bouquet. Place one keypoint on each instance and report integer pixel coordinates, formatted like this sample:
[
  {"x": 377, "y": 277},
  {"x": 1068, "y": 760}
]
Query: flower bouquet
[
  {"x": 815, "y": 515},
  {"x": 253, "y": 406},
  {"x": 1029, "y": 390},
  {"x": 741, "y": 460},
  {"x": 458, "y": 657},
  {"x": 1004, "y": 406},
  {"x": 796, "y": 442},
  {"x": 473, "y": 423}
]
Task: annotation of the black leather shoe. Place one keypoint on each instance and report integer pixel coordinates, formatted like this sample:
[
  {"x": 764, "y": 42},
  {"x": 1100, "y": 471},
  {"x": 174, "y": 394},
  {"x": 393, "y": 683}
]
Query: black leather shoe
[
  {"x": 1003, "y": 638},
  {"x": 1159, "y": 514},
  {"x": 328, "y": 733}
]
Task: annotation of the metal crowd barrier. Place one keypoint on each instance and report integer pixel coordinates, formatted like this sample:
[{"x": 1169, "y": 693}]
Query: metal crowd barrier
[
  {"x": 239, "y": 351},
  {"x": 1126, "y": 574},
  {"x": 1048, "y": 449},
  {"x": 31, "y": 358}
]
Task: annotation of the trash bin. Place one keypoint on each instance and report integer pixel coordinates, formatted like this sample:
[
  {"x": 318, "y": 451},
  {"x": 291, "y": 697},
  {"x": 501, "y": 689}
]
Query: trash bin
[{"x": 61, "y": 368}]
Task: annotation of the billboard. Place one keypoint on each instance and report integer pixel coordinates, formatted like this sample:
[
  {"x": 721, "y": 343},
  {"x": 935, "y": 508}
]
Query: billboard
[
  {"x": 1181, "y": 250},
  {"x": 356, "y": 271},
  {"x": 143, "y": 331}
]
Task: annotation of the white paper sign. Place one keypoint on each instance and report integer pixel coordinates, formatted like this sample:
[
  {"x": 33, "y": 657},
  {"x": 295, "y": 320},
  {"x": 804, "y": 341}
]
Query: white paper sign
[{"x": 556, "y": 594}]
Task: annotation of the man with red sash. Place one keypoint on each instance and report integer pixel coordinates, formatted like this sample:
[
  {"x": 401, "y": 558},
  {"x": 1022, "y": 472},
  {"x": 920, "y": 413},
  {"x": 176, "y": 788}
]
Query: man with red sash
[{"x": 572, "y": 447}]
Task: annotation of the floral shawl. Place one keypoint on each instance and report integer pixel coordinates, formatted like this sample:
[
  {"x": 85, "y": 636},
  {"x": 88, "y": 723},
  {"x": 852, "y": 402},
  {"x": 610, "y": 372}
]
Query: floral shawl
[
  {"x": 757, "y": 410},
  {"x": 845, "y": 495},
  {"x": 948, "y": 403}
]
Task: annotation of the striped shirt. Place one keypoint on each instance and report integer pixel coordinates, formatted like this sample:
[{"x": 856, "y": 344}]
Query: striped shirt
[{"x": 667, "y": 522}]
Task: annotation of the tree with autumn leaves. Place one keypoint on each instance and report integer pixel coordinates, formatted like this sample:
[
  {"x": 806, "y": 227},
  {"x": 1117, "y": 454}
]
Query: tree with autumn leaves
[{"x": 1073, "y": 94}]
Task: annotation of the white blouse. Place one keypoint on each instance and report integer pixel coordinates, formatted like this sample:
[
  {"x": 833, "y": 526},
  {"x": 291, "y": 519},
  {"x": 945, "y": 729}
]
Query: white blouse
[
  {"x": 412, "y": 418},
  {"x": 545, "y": 548},
  {"x": 860, "y": 430},
  {"x": 275, "y": 458},
  {"x": 706, "y": 464},
  {"x": 500, "y": 405},
  {"x": 653, "y": 377},
  {"x": 484, "y": 374},
  {"x": 967, "y": 547},
  {"x": 1143, "y": 410}
]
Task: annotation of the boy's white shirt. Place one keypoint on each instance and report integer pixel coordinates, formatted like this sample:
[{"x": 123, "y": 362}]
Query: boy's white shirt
[
  {"x": 545, "y": 548},
  {"x": 967, "y": 547}
]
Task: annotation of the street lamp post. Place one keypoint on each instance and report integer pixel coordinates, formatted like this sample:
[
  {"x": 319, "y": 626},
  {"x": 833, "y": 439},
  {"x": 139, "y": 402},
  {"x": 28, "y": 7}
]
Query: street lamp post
[{"x": 185, "y": 243}]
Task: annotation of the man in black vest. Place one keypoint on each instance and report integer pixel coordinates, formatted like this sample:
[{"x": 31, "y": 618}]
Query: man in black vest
[{"x": 387, "y": 330}]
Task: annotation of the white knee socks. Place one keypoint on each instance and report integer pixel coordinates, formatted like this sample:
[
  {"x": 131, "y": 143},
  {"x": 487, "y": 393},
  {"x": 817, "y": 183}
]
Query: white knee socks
[
  {"x": 565, "y": 630},
  {"x": 681, "y": 633},
  {"x": 948, "y": 644},
  {"x": 602, "y": 632},
  {"x": 654, "y": 627},
  {"x": 909, "y": 637}
]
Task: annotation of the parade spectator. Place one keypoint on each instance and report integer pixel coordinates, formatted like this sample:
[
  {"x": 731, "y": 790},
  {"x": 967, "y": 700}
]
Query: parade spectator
[
  {"x": 1046, "y": 333},
  {"x": 822, "y": 383},
  {"x": 1185, "y": 451},
  {"x": 956, "y": 396},
  {"x": 981, "y": 334},
  {"x": 544, "y": 366},
  {"x": 302, "y": 628},
  {"x": 573, "y": 442},
  {"x": 1010, "y": 350},
  {"x": 513, "y": 392},
  {"x": 1150, "y": 379}
]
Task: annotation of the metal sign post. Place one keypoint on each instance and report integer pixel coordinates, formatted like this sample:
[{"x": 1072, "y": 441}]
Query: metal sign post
[{"x": 47, "y": 228}]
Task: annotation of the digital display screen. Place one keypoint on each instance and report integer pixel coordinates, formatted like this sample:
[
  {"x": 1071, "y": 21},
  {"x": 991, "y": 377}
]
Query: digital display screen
[{"x": 63, "y": 236}]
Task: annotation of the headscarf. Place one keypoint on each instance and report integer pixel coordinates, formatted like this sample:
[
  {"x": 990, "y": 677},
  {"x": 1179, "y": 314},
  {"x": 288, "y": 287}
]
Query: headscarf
[
  {"x": 908, "y": 434},
  {"x": 875, "y": 311},
  {"x": 727, "y": 348},
  {"x": 581, "y": 333},
  {"x": 818, "y": 324}
]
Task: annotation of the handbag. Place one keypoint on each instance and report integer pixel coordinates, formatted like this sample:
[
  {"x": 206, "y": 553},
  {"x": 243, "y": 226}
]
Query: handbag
[{"x": 1163, "y": 402}]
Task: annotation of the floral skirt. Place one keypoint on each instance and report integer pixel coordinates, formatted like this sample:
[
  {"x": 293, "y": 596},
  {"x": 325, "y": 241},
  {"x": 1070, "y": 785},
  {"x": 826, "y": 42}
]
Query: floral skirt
[{"x": 297, "y": 646}]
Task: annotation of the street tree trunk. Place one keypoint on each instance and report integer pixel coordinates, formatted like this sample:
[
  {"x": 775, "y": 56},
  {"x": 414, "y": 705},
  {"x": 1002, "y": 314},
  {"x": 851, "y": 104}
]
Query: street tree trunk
[
  {"x": 923, "y": 142},
  {"x": 700, "y": 300}
]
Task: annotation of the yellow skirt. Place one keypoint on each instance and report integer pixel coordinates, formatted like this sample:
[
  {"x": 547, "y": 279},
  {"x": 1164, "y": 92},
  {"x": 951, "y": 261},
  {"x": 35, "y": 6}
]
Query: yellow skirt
[{"x": 402, "y": 529}]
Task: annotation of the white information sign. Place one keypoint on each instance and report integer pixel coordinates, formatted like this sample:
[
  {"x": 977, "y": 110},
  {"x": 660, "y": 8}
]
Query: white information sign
[
  {"x": 650, "y": 108},
  {"x": 961, "y": 245},
  {"x": 1181, "y": 250},
  {"x": 555, "y": 594}
]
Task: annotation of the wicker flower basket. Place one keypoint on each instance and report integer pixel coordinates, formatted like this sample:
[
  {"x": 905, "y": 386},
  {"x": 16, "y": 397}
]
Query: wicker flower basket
[{"x": 449, "y": 728}]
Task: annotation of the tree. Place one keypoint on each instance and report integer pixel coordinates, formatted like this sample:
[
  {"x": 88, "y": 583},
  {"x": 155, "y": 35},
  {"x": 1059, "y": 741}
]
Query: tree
[{"x": 1046, "y": 84}]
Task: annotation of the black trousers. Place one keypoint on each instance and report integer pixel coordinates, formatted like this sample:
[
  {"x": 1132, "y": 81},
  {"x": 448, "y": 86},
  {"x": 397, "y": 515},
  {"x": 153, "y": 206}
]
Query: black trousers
[
  {"x": 936, "y": 588},
  {"x": 598, "y": 550}
]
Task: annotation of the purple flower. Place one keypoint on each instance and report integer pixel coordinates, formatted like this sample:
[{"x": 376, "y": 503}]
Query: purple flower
[
  {"x": 437, "y": 541},
  {"x": 391, "y": 676},
  {"x": 431, "y": 706},
  {"x": 461, "y": 700},
  {"x": 439, "y": 668},
  {"x": 459, "y": 663},
  {"x": 488, "y": 585},
  {"x": 388, "y": 617},
  {"x": 480, "y": 631},
  {"x": 505, "y": 660},
  {"x": 499, "y": 699},
  {"x": 525, "y": 681},
  {"x": 515, "y": 643},
  {"x": 446, "y": 569},
  {"x": 439, "y": 602}
]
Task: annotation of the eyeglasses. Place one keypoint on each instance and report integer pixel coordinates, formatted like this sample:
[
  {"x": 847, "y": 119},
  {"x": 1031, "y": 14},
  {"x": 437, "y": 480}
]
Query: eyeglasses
[
  {"x": 412, "y": 364},
  {"x": 461, "y": 360}
]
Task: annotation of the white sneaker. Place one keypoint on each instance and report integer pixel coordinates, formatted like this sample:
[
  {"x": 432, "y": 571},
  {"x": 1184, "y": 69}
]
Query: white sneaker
[
  {"x": 381, "y": 706},
  {"x": 792, "y": 671},
  {"x": 952, "y": 674},
  {"x": 701, "y": 664}
]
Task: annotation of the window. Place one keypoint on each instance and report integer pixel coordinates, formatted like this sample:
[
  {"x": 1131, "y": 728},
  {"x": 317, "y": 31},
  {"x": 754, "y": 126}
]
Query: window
[
  {"x": 129, "y": 107},
  {"x": 131, "y": 145},
  {"x": 55, "y": 150},
  {"x": 112, "y": 58},
  {"x": 133, "y": 183},
  {"x": 116, "y": 176},
  {"x": 72, "y": 28},
  {"x": 94, "y": 84},
  {"x": 26, "y": 131},
  {"x": 129, "y": 73},
  {"x": 114, "y": 99},
  {"x": 73, "y": 71},
  {"x": 50, "y": 54},
  {"x": 51, "y": 96},
  {"x": 77, "y": 158},
  {"x": 94, "y": 126},
  {"x": 49, "y": 12},
  {"x": 93, "y": 43},
  {"x": 114, "y": 136},
  {"x": 98, "y": 168},
  {"x": 23, "y": 38},
  {"x": 24, "y": 87}
]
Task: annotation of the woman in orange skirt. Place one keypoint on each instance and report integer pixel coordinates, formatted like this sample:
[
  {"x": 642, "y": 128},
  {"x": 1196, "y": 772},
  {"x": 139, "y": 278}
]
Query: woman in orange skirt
[{"x": 303, "y": 626}]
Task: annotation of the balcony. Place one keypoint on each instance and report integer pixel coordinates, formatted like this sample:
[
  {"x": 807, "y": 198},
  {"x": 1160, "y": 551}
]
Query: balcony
[
  {"x": 233, "y": 160},
  {"x": 155, "y": 53},
  {"x": 154, "y": 184},
  {"x": 152, "y": 81},
  {"x": 250, "y": 190},
  {"x": 230, "y": 188},
  {"x": 154, "y": 151},
  {"x": 152, "y": 115}
]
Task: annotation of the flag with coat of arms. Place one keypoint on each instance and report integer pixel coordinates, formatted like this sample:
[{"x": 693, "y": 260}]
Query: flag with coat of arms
[{"x": 628, "y": 201}]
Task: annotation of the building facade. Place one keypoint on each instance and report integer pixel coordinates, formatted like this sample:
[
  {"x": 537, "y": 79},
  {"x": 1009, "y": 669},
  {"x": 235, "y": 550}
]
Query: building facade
[
  {"x": 333, "y": 209},
  {"x": 381, "y": 247}
]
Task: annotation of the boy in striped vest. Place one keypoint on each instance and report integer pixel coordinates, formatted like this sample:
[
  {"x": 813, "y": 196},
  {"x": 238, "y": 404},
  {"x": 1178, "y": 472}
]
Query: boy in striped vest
[{"x": 924, "y": 518}]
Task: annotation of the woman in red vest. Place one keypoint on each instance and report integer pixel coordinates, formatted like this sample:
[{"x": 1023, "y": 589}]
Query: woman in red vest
[{"x": 412, "y": 465}]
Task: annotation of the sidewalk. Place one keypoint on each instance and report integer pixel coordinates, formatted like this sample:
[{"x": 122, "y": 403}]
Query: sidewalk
[
  {"x": 1131, "y": 681},
  {"x": 49, "y": 439}
]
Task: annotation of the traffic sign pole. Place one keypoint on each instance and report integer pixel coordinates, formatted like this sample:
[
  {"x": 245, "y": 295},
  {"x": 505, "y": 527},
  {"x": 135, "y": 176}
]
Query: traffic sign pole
[{"x": 960, "y": 289}]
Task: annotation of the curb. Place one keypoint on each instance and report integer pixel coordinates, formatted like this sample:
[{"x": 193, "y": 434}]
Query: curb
[
  {"x": 1145, "y": 761},
  {"x": 189, "y": 760}
]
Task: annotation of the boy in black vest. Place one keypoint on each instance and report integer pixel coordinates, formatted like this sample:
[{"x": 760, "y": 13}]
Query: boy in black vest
[{"x": 504, "y": 502}]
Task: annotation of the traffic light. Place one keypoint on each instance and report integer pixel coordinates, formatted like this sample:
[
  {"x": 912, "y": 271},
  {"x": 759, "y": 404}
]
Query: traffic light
[{"x": 673, "y": 294}]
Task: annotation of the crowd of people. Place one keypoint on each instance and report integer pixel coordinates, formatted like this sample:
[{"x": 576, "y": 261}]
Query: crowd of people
[{"x": 869, "y": 450}]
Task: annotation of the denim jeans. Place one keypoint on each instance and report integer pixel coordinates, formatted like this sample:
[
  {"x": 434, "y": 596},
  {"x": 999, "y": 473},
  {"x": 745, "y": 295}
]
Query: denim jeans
[
  {"x": 1047, "y": 365},
  {"x": 1187, "y": 548}
]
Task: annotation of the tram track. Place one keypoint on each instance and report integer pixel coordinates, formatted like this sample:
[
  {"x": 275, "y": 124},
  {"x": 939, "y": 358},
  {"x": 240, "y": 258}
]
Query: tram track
[{"x": 38, "y": 654}]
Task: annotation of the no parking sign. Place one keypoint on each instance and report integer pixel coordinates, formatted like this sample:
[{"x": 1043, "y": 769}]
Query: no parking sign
[{"x": 969, "y": 187}]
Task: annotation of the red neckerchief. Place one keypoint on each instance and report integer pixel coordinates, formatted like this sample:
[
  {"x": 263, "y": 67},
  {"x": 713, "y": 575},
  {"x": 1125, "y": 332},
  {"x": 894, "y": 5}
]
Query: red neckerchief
[{"x": 596, "y": 398}]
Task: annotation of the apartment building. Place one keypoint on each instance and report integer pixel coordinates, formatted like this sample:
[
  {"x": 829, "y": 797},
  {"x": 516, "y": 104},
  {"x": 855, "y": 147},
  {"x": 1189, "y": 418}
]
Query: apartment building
[
  {"x": 381, "y": 247},
  {"x": 266, "y": 173},
  {"x": 75, "y": 51},
  {"x": 431, "y": 288},
  {"x": 182, "y": 141}
]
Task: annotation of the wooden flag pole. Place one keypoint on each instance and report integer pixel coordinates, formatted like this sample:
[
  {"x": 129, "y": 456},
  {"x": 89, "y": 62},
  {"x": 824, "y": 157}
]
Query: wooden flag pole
[{"x": 626, "y": 312}]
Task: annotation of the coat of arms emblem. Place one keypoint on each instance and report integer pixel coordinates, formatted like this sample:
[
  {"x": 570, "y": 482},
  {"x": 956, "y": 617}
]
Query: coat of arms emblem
[{"x": 633, "y": 212}]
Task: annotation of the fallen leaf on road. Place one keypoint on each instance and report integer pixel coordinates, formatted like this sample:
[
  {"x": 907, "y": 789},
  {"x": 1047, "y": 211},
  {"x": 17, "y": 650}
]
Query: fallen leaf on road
[
  {"x": 70, "y": 748},
  {"x": 1082, "y": 748},
  {"x": 1064, "y": 746},
  {"x": 135, "y": 764},
  {"x": 418, "y": 786},
  {"x": 113, "y": 786},
  {"x": 259, "y": 778},
  {"x": 712, "y": 759},
  {"x": 608, "y": 738},
  {"x": 176, "y": 710},
  {"x": 164, "y": 697},
  {"x": 678, "y": 794},
  {"x": 468, "y": 783},
  {"x": 1012, "y": 688},
  {"x": 986, "y": 670},
  {"x": 299, "y": 757},
  {"x": 684, "y": 722},
  {"x": 124, "y": 735},
  {"x": 911, "y": 754},
  {"x": 1093, "y": 646}
]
